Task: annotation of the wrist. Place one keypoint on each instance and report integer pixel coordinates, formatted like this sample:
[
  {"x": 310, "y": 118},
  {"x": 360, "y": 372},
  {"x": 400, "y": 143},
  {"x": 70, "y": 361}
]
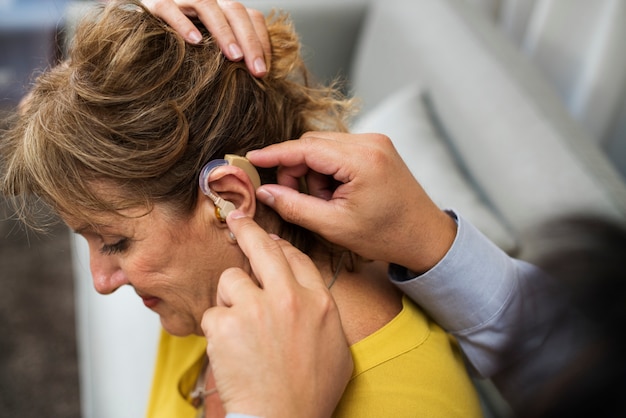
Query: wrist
[{"x": 430, "y": 242}]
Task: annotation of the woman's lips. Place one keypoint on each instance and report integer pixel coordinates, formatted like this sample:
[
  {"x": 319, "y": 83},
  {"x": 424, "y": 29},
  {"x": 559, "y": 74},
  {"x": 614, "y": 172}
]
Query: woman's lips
[{"x": 150, "y": 301}]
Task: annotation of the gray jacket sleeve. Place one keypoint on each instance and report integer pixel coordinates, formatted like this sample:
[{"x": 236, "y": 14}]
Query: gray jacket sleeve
[{"x": 507, "y": 315}]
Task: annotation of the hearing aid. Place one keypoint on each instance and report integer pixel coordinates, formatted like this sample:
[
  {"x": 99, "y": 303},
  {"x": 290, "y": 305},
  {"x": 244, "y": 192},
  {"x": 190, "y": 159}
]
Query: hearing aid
[{"x": 224, "y": 207}]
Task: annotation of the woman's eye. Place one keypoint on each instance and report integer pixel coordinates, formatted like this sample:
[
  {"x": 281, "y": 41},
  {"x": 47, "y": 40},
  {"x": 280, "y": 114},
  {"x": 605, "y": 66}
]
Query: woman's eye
[{"x": 115, "y": 248}]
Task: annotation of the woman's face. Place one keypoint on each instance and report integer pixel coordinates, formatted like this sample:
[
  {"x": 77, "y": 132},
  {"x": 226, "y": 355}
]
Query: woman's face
[{"x": 173, "y": 264}]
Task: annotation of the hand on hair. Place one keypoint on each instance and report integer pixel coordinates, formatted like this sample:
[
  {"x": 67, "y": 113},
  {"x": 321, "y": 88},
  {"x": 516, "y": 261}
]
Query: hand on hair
[
  {"x": 361, "y": 196},
  {"x": 240, "y": 32},
  {"x": 276, "y": 351}
]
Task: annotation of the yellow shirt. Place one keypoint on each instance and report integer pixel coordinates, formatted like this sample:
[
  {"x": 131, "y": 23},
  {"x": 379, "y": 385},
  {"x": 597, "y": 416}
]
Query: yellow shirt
[
  {"x": 178, "y": 365},
  {"x": 408, "y": 368}
]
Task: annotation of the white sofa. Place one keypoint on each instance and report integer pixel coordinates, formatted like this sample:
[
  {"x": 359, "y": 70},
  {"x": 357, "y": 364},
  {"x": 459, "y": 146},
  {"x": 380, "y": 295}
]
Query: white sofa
[
  {"x": 500, "y": 108},
  {"x": 487, "y": 128}
]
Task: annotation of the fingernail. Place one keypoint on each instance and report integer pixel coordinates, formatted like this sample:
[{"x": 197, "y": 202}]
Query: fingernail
[
  {"x": 237, "y": 214},
  {"x": 195, "y": 36},
  {"x": 259, "y": 66},
  {"x": 265, "y": 197},
  {"x": 235, "y": 51},
  {"x": 274, "y": 237},
  {"x": 251, "y": 153}
]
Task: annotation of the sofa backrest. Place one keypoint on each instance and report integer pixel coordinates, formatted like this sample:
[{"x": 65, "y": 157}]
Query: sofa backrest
[
  {"x": 504, "y": 121},
  {"x": 579, "y": 46}
]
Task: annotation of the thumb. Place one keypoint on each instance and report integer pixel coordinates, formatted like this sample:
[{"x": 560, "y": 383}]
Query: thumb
[{"x": 302, "y": 209}]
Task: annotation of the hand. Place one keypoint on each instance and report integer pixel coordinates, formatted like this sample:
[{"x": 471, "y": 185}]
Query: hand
[
  {"x": 361, "y": 196},
  {"x": 276, "y": 351},
  {"x": 240, "y": 32}
]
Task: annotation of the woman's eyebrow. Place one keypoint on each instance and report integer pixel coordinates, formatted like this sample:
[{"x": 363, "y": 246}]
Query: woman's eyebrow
[{"x": 89, "y": 227}]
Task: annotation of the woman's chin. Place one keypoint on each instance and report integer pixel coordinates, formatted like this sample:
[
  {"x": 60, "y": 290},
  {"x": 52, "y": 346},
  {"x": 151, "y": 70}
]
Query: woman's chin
[{"x": 177, "y": 329}]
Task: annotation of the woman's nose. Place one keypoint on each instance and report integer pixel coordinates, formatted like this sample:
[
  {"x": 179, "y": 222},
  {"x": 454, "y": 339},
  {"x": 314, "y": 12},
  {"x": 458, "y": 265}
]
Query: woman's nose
[{"x": 106, "y": 273}]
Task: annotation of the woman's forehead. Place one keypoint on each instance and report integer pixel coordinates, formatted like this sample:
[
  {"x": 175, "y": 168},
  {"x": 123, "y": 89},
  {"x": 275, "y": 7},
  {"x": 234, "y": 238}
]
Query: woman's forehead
[{"x": 103, "y": 221}]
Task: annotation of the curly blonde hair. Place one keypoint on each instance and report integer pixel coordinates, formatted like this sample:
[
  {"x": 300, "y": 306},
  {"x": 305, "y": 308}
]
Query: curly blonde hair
[{"x": 136, "y": 107}]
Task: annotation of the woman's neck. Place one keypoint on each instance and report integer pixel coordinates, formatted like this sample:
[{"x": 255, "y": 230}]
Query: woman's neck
[{"x": 365, "y": 297}]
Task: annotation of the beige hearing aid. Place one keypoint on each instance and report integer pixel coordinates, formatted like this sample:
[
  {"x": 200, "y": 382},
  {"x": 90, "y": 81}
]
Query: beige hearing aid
[{"x": 224, "y": 207}]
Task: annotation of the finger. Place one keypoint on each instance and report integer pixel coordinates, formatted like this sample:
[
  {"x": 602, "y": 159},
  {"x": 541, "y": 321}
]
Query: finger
[
  {"x": 212, "y": 15},
  {"x": 217, "y": 323},
  {"x": 258, "y": 21},
  {"x": 308, "y": 211},
  {"x": 317, "y": 184},
  {"x": 266, "y": 257},
  {"x": 304, "y": 270},
  {"x": 290, "y": 176},
  {"x": 211, "y": 318},
  {"x": 235, "y": 287},
  {"x": 287, "y": 153},
  {"x": 173, "y": 16},
  {"x": 245, "y": 31},
  {"x": 320, "y": 185},
  {"x": 326, "y": 155}
]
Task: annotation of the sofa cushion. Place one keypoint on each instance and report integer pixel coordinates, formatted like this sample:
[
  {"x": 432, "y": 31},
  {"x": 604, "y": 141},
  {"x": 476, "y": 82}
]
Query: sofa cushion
[{"x": 405, "y": 119}]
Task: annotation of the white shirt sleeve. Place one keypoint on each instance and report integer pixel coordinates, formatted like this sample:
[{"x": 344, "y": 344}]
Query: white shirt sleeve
[{"x": 506, "y": 314}]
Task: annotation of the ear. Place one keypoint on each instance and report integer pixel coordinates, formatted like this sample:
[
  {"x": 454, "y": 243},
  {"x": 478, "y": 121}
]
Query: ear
[{"x": 231, "y": 183}]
